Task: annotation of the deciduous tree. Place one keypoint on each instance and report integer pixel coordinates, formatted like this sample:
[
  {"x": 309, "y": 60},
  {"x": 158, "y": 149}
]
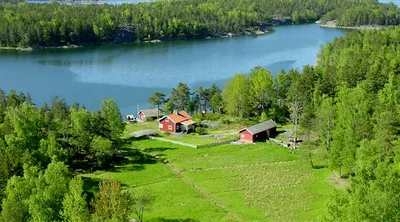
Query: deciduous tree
[{"x": 75, "y": 207}]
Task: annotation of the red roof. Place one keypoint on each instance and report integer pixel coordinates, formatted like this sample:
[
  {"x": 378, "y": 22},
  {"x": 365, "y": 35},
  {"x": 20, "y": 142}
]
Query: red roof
[
  {"x": 176, "y": 118},
  {"x": 182, "y": 116},
  {"x": 188, "y": 122}
]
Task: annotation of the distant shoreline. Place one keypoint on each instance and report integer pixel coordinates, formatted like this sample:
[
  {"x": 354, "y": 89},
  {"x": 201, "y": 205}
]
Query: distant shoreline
[
  {"x": 261, "y": 31},
  {"x": 34, "y": 48},
  {"x": 332, "y": 24}
]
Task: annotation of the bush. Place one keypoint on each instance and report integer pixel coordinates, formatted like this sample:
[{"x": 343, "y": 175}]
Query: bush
[
  {"x": 263, "y": 117},
  {"x": 211, "y": 116},
  {"x": 207, "y": 116},
  {"x": 167, "y": 134},
  {"x": 201, "y": 131},
  {"x": 225, "y": 120}
]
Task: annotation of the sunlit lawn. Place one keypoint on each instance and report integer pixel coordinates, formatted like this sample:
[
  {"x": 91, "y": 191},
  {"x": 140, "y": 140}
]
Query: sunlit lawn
[
  {"x": 261, "y": 182},
  {"x": 196, "y": 139},
  {"x": 132, "y": 127}
]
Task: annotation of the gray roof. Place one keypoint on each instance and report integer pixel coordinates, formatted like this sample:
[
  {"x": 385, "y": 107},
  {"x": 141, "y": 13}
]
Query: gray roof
[
  {"x": 151, "y": 112},
  {"x": 258, "y": 128}
]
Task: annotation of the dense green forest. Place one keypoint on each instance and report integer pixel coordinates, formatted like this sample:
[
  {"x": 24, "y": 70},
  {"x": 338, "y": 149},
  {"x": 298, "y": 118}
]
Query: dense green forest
[
  {"x": 11, "y": 1},
  {"x": 351, "y": 99},
  {"x": 24, "y": 24},
  {"x": 41, "y": 149},
  {"x": 364, "y": 14}
]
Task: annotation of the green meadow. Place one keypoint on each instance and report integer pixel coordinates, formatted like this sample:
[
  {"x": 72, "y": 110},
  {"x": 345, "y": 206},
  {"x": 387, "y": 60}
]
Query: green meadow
[{"x": 252, "y": 182}]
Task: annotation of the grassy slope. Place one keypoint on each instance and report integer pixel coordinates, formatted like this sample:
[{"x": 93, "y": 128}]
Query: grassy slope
[
  {"x": 198, "y": 140},
  {"x": 262, "y": 182}
]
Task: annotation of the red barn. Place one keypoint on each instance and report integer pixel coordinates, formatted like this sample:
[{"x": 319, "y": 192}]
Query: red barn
[
  {"x": 258, "y": 132},
  {"x": 176, "y": 122},
  {"x": 149, "y": 114}
]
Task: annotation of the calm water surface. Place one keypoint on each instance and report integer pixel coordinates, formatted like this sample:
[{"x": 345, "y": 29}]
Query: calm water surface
[{"x": 130, "y": 73}]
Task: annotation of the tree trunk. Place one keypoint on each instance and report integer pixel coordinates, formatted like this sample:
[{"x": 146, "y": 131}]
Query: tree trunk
[
  {"x": 200, "y": 107},
  {"x": 158, "y": 111}
]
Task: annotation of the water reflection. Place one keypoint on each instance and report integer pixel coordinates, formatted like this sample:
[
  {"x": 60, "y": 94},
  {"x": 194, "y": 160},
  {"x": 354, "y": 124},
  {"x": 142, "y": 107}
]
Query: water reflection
[{"x": 132, "y": 72}]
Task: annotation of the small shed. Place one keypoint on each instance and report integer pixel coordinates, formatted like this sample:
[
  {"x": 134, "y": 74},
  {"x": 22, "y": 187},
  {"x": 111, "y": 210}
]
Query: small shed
[
  {"x": 149, "y": 114},
  {"x": 258, "y": 132}
]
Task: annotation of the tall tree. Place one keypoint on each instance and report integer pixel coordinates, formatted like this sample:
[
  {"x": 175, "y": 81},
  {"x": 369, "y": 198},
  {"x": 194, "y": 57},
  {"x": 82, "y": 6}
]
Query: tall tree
[
  {"x": 157, "y": 99},
  {"x": 101, "y": 151},
  {"x": 23, "y": 135},
  {"x": 45, "y": 203},
  {"x": 201, "y": 99},
  {"x": 295, "y": 114},
  {"x": 74, "y": 204},
  {"x": 183, "y": 95},
  {"x": 141, "y": 198},
  {"x": 262, "y": 88},
  {"x": 36, "y": 196},
  {"x": 352, "y": 125},
  {"x": 282, "y": 86},
  {"x": 111, "y": 203},
  {"x": 236, "y": 95},
  {"x": 81, "y": 136},
  {"x": 4, "y": 173},
  {"x": 12, "y": 99},
  {"x": 110, "y": 112},
  {"x": 325, "y": 118},
  {"x": 3, "y": 105},
  {"x": 179, "y": 98},
  {"x": 15, "y": 207}
]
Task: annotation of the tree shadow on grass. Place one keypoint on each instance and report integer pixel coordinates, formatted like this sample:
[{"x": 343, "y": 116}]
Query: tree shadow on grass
[
  {"x": 135, "y": 160},
  {"x": 319, "y": 166},
  {"x": 161, "y": 149},
  {"x": 90, "y": 186},
  {"x": 277, "y": 133},
  {"x": 160, "y": 219}
]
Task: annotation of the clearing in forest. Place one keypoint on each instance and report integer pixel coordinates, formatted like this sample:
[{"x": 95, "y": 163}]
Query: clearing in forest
[{"x": 262, "y": 182}]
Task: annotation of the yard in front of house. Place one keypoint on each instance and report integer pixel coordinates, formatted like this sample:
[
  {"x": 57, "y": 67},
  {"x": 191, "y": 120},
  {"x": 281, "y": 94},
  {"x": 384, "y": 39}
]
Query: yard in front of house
[{"x": 222, "y": 134}]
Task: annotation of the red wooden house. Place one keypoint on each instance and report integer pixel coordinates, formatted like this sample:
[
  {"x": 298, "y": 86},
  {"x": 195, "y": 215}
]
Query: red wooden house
[
  {"x": 176, "y": 122},
  {"x": 258, "y": 132}
]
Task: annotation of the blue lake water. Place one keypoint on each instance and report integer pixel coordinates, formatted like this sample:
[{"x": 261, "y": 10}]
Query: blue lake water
[{"x": 130, "y": 73}]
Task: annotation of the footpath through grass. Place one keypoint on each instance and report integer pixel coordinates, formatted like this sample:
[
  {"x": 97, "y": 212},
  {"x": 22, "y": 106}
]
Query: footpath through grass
[{"x": 262, "y": 182}]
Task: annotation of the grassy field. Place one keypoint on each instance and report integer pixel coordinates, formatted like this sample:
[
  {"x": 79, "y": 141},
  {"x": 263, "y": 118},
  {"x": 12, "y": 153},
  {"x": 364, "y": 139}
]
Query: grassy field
[
  {"x": 261, "y": 182},
  {"x": 132, "y": 127},
  {"x": 196, "y": 139},
  {"x": 192, "y": 138}
]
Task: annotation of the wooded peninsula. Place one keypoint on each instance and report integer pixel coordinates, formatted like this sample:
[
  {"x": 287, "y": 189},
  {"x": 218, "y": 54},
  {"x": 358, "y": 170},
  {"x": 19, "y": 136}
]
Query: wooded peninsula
[{"x": 45, "y": 25}]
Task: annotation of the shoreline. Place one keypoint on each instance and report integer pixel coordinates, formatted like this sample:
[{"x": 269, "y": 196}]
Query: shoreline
[
  {"x": 332, "y": 24},
  {"x": 261, "y": 31},
  {"x": 36, "y": 48}
]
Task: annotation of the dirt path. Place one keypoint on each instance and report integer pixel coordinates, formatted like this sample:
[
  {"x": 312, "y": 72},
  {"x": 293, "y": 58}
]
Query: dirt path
[{"x": 207, "y": 196}]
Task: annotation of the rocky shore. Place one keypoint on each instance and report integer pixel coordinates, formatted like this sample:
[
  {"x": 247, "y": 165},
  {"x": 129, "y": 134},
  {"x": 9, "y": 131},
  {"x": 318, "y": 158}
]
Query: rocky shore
[
  {"x": 121, "y": 40},
  {"x": 332, "y": 24}
]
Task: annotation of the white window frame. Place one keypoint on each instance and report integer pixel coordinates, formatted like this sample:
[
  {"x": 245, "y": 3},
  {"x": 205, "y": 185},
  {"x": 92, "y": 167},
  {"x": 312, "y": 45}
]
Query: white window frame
[
  {"x": 160, "y": 126},
  {"x": 170, "y": 127},
  {"x": 167, "y": 120}
]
